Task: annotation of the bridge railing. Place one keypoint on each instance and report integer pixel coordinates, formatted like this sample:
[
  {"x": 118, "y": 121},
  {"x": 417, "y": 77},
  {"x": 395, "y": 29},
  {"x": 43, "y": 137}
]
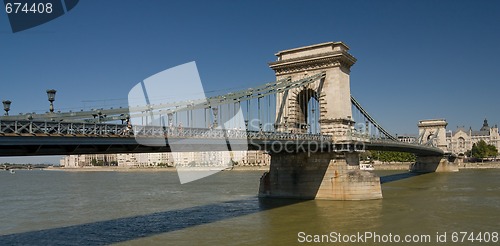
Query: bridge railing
[
  {"x": 109, "y": 130},
  {"x": 402, "y": 144},
  {"x": 106, "y": 130},
  {"x": 393, "y": 142},
  {"x": 177, "y": 132},
  {"x": 60, "y": 128},
  {"x": 50, "y": 128}
]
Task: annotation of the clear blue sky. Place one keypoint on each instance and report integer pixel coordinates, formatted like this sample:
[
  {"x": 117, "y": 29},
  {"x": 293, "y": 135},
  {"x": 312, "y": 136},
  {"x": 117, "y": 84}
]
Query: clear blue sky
[{"x": 416, "y": 59}]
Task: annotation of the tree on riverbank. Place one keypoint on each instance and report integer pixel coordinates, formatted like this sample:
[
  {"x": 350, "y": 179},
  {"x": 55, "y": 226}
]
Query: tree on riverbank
[
  {"x": 482, "y": 150},
  {"x": 392, "y": 156}
]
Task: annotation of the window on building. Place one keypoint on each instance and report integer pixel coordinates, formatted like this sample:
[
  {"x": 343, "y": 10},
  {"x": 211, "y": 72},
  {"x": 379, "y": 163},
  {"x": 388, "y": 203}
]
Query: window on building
[{"x": 461, "y": 142}]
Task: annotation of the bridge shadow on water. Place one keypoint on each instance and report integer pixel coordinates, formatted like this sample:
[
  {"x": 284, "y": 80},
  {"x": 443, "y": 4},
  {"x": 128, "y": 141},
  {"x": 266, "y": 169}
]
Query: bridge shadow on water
[
  {"x": 398, "y": 176},
  {"x": 125, "y": 229},
  {"x": 130, "y": 228}
]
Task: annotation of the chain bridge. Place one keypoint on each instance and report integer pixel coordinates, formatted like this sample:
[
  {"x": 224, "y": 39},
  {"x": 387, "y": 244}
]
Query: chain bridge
[{"x": 307, "y": 120}]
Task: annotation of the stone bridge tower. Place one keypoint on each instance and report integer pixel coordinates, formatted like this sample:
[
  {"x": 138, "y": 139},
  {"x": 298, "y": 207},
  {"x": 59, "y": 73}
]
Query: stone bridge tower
[
  {"x": 333, "y": 175},
  {"x": 332, "y": 92},
  {"x": 433, "y": 131}
]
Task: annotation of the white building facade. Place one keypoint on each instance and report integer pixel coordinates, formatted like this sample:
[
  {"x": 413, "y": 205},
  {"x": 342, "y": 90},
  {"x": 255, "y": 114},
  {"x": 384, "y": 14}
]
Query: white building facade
[
  {"x": 167, "y": 159},
  {"x": 461, "y": 140}
]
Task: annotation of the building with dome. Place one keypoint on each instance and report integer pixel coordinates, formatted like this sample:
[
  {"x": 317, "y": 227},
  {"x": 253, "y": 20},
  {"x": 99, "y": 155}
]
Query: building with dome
[{"x": 462, "y": 139}]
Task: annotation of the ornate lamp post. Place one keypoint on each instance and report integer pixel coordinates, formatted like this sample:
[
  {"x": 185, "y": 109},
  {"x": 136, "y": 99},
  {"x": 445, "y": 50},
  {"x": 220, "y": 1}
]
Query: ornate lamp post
[
  {"x": 100, "y": 116},
  {"x": 215, "y": 111},
  {"x": 286, "y": 123},
  {"x": 6, "y": 106},
  {"x": 367, "y": 128},
  {"x": 51, "y": 94},
  {"x": 170, "y": 117},
  {"x": 313, "y": 125}
]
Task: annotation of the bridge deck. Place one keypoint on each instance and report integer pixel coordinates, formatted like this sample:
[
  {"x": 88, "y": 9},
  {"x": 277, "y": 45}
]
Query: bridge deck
[{"x": 24, "y": 145}]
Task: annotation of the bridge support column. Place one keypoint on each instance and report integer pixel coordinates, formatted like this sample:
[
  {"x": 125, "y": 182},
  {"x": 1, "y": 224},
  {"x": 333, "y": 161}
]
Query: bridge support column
[
  {"x": 329, "y": 176},
  {"x": 427, "y": 164}
]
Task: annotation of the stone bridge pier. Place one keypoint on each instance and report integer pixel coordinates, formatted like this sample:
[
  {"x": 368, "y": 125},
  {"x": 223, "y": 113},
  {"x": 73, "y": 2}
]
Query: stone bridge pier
[
  {"x": 331, "y": 176},
  {"x": 323, "y": 175},
  {"x": 428, "y": 164}
]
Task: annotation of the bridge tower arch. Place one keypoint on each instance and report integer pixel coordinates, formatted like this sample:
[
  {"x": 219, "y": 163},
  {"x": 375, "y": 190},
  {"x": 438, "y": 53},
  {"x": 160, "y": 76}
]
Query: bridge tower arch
[
  {"x": 332, "y": 92},
  {"x": 306, "y": 113}
]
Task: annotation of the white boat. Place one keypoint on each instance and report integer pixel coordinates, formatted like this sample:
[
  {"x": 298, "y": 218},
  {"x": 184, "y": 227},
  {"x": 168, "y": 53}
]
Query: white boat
[
  {"x": 366, "y": 166},
  {"x": 12, "y": 171}
]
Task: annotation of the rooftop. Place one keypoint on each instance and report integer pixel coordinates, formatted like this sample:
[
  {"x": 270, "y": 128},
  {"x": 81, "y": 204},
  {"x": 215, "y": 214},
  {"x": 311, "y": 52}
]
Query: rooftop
[
  {"x": 312, "y": 50},
  {"x": 484, "y": 131}
]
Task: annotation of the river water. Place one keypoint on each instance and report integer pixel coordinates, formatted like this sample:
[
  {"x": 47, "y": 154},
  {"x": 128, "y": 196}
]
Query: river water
[{"x": 152, "y": 208}]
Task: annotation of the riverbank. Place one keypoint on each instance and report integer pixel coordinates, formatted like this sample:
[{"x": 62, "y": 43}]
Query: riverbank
[
  {"x": 479, "y": 165},
  {"x": 113, "y": 169},
  {"x": 146, "y": 169},
  {"x": 392, "y": 166},
  {"x": 467, "y": 165},
  {"x": 250, "y": 168},
  {"x": 377, "y": 166}
]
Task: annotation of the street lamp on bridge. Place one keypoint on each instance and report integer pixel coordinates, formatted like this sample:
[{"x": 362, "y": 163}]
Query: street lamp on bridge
[
  {"x": 215, "y": 111},
  {"x": 51, "y": 94},
  {"x": 170, "y": 118},
  {"x": 286, "y": 123},
  {"x": 6, "y": 106}
]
